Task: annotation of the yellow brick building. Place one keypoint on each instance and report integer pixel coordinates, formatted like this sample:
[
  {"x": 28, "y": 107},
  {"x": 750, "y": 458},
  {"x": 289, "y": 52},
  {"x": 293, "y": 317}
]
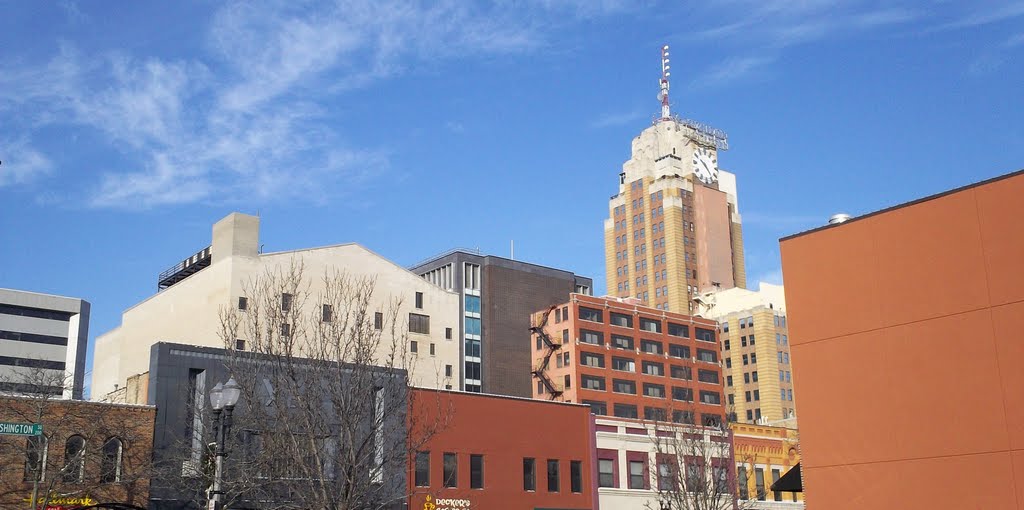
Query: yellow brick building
[
  {"x": 763, "y": 454},
  {"x": 755, "y": 354}
]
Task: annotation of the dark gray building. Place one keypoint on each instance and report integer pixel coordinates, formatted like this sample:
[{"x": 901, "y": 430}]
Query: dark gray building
[
  {"x": 498, "y": 296},
  {"x": 263, "y": 468},
  {"x": 43, "y": 339}
]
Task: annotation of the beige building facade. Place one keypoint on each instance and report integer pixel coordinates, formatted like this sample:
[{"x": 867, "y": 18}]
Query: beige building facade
[
  {"x": 755, "y": 351},
  {"x": 674, "y": 228},
  {"x": 187, "y": 309}
]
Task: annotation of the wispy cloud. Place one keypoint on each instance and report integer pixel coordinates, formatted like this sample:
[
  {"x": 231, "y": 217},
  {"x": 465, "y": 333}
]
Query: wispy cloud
[
  {"x": 245, "y": 118},
  {"x": 730, "y": 70},
  {"x": 616, "y": 119},
  {"x": 1014, "y": 41},
  {"x": 984, "y": 14},
  {"x": 21, "y": 163},
  {"x": 773, "y": 277}
]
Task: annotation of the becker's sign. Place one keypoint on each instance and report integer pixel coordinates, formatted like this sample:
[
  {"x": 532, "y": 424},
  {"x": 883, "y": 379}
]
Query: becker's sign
[{"x": 445, "y": 503}]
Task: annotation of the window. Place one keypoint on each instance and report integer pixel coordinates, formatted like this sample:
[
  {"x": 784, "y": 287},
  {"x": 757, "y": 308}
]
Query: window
[
  {"x": 651, "y": 325},
  {"x": 624, "y": 386},
  {"x": 621, "y": 319},
  {"x": 476, "y": 471},
  {"x": 752, "y": 339},
  {"x": 725, "y": 344},
  {"x": 753, "y": 376},
  {"x": 378, "y": 321},
  {"x": 606, "y": 472},
  {"x": 596, "y": 407},
  {"x": 654, "y": 390},
  {"x": 728, "y": 362},
  {"x": 728, "y": 380},
  {"x": 685, "y": 417},
  {"x": 472, "y": 304},
  {"x": 743, "y": 341},
  {"x": 636, "y": 474},
  {"x": 591, "y": 314},
  {"x": 553, "y": 475},
  {"x": 472, "y": 325},
  {"x": 622, "y": 342},
  {"x": 666, "y": 474},
  {"x": 591, "y": 337},
  {"x": 591, "y": 382},
  {"x": 708, "y": 376},
  {"x": 529, "y": 474},
  {"x": 576, "y": 476},
  {"x": 35, "y": 458},
  {"x": 623, "y": 364},
  {"x": 753, "y": 358},
  {"x": 239, "y": 344},
  {"x": 655, "y": 414},
  {"x": 568, "y": 381},
  {"x": 423, "y": 469},
  {"x": 447, "y": 370},
  {"x": 678, "y": 351},
  {"x": 743, "y": 481},
  {"x": 432, "y": 351},
  {"x": 473, "y": 348},
  {"x": 414, "y": 346},
  {"x": 725, "y": 326},
  {"x": 759, "y": 483},
  {"x": 680, "y": 372},
  {"x": 652, "y": 368},
  {"x": 419, "y": 323},
  {"x": 789, "y": 393},
  {"x": 451, "y": 470},
  {"x": 746, "y": 377},
  {"x": 327, "y": 313},
  {"x": 750, "y": 415},
  {"x": 286, "y": 302},
  {"x": 591, "y": 359},
  {"x": 682, "y": 394},
  {"x": 243, "y": 303},
  {"x": 711, "y": 420},
  {"x": 651, "y": 346},
  {"x": 625, "y": 411},
  {"x": 709, "y": 356},
  {"x": 74, "y": 459},
  {"x": 110, "y": 463},
  {"x": 745, "y": 359},
  {"x": 711, "y": 397},
  {"x": 558, "y": 315},
  {"x": 746, "y": 396},
  {"x": 776, "y": 474},
  {"x": 286, "y": 329},
  {"x": 447, "y": 333},
  {"x": 732, "y": 399},
  {"x": 704, "y": 335}
]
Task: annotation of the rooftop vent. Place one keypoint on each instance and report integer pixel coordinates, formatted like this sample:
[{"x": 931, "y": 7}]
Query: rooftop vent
[{"x": 838, "y": 218}]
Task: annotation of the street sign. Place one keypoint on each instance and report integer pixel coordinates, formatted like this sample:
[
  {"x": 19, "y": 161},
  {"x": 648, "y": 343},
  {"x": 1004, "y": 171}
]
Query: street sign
[{"x": 21, "y": 429}]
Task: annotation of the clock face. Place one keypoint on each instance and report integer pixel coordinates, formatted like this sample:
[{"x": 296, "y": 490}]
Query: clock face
[{"x": 705, "y": 166}]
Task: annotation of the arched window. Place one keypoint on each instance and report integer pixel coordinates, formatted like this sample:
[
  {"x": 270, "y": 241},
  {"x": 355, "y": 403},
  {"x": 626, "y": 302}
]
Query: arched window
[
  {"x": 74, "y": 459},
  {"x": 110, "y": 467},
  {"x": 35, "y": 458}
]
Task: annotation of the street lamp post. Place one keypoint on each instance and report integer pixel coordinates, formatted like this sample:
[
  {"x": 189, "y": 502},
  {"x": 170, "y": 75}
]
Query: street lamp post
[{"x": 222, "y": 399}]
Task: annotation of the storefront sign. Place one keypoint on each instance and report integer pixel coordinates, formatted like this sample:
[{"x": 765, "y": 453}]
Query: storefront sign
[
  {"x": 62, "y": 502},
  {"x": 445, "y": 503}
]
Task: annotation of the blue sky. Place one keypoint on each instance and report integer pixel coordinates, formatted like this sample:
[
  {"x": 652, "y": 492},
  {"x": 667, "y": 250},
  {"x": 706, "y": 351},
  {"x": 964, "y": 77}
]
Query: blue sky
[{"x": 127, "y": 129}]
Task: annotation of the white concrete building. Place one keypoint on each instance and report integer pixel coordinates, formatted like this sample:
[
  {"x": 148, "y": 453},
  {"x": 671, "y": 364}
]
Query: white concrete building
[
  {"x": 43, "y": 339},
  {"x": 195, "y": 290}
]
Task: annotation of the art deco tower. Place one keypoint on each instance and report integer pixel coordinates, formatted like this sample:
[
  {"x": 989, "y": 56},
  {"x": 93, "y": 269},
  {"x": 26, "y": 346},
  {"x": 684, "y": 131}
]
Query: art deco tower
[{"x": 674, "y": 227}]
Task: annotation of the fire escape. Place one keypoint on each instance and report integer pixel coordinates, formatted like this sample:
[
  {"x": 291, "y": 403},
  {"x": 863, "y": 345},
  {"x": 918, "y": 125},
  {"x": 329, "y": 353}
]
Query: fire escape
[{"x": 541, "y": 371}]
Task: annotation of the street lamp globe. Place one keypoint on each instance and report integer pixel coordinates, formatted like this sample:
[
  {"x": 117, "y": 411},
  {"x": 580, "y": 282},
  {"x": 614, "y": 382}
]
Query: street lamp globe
[
  {"x": 217, "y": 397},
  {"x": 230, "y": 393}
]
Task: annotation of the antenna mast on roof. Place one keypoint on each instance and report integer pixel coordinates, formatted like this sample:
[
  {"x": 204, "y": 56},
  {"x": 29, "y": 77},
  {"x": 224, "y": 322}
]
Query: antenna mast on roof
[{"x": 663, "y": 93}]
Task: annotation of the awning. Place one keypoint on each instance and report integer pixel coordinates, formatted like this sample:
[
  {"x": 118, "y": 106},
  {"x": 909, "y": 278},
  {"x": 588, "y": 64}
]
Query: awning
[{"x": 791, "y": 481}]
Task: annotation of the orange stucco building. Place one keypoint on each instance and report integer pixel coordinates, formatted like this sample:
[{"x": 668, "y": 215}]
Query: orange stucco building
[{"x": 906, "y": 329}]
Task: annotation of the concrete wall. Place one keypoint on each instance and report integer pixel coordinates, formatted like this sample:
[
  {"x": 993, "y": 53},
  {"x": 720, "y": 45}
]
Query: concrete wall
[
  {"x": 187, "y": 312},
  {"x": 43, "y": 339},
  {"x": 906, "y": 329}
]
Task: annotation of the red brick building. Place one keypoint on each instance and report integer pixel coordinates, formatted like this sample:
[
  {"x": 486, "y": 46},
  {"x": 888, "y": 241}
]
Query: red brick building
[
  {"x": 489, "y": 451},
  {"x": 88, "y": 452},
  {"x": 627, "y": 360}
]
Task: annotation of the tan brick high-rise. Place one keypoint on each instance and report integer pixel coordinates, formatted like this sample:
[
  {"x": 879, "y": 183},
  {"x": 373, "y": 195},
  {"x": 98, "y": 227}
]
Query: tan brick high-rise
[{"x": 674, "y": 227}]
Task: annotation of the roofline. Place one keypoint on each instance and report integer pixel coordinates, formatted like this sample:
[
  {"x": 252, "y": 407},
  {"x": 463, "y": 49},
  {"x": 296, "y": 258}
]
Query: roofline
[
  {"x": 468, "y": 251},
  {"x": 907, "y": 204},
  {"x": 74, "y": 401},
  {"x": 495, "y": 395},
  {"x": 59, "y": 296}
]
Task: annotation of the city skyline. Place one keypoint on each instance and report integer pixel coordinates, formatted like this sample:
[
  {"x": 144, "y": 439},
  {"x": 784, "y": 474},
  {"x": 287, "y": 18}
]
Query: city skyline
[{"x": 121, "y": 145}]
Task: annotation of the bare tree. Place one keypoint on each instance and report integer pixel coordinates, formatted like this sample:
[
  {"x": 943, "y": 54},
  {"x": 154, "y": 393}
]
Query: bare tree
[
  {"x": 322, "y": 422},
  {"x": 86, "y": 451},
  {"x": 696, "y": 465}
]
